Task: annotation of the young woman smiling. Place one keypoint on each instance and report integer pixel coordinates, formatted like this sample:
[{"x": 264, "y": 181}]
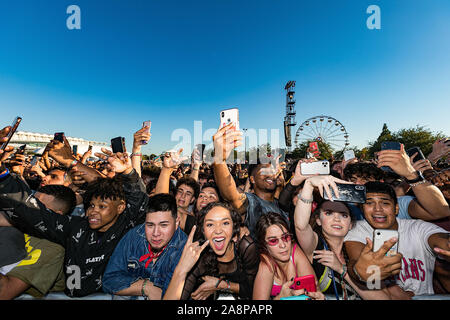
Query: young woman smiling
[
  {"x": 228, "y": 265},
  {"x": 322, "y": 239}
]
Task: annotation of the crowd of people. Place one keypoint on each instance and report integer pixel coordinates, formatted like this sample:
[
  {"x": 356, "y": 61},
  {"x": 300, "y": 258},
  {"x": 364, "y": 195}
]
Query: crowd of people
[{"x": 158, "y": 229}]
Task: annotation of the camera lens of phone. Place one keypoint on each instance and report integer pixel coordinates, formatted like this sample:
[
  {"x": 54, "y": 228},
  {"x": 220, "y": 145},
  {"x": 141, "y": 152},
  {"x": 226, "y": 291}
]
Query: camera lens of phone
[{"x": 297, "y": 283}]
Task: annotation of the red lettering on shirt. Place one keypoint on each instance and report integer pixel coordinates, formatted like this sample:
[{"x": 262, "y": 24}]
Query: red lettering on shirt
[
  {"x": 420, "y": 263},
  {"x": 414, "y": 270}
]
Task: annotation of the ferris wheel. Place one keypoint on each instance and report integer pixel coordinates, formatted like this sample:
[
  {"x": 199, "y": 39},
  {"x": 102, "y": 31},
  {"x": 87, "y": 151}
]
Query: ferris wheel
[{"x": 323, "y": 129}]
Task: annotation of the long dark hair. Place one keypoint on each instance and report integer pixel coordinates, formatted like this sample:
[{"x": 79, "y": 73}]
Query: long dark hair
[
  {"x": 209, "y": 257},
  {"x": 264, "y": 222}
]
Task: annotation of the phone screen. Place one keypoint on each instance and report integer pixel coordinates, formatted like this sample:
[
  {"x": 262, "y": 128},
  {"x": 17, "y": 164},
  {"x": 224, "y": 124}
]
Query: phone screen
[{"x": 118, "y": 144}]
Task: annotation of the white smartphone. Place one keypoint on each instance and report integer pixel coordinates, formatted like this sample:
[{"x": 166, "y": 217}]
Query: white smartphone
[
  {"x": 382, "y": 235},
  {"x": 149, "y": 125},
  {"x": 229, "y": 116},
  {"x": 316, "y": 167},
  {"x": 349, "y": 154}
]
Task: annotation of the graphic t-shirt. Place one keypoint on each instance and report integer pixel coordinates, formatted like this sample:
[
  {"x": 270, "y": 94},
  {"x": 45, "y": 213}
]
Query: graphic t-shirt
[
  {"x": 418, "y": 258},
  {"x": 42, "y": 269}
]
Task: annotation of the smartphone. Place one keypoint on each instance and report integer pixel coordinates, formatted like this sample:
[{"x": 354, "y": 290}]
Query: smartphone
[
  {"x": 316, "y": 167},
  {"x": 306, "y": 282},
  {"x": 34, "y": 161},
  {"x": 355, "y": 193},
  {"x": 414, "y": 150},
  {"x": 389, "y": 145},
  {"x": 382, "y": 235},
  {"x": 11, "y": 132},
  {"x": 300, "y": 297},
  {"x": 75, "y": 149},
  {"x": 21, "y": 149},
  {"x": 149, "y": 125},
  {"x": 118, "y": 145},
  {"x": 59, "y": 136},
  {"x": 229, "y": 116},
  {"x": 349, "y": 154}
]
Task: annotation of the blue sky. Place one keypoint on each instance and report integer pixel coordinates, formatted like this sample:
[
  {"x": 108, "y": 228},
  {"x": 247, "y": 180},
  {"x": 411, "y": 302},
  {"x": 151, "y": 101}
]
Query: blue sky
[{"x": 176, "y": 62}]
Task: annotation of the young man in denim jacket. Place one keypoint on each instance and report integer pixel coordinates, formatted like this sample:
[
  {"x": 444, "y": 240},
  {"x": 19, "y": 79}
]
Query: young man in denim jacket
[{"x": 144, "y": 260}]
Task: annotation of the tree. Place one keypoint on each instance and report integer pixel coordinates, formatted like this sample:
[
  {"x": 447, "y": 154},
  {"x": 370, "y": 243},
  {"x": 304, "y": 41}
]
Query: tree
[{"x": 375, "y": 146}]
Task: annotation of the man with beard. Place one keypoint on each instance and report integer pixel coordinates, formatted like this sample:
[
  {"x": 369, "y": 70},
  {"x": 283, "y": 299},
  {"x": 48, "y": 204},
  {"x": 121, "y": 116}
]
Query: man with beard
[{"x": 263, "y": 177}]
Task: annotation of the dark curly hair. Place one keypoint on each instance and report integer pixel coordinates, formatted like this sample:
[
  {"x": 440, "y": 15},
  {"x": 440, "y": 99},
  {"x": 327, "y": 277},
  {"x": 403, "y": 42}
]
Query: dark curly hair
[{"x": 208, "y": 256}]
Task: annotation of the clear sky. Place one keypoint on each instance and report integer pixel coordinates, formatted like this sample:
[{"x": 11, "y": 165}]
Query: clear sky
[{"x": 180, "y": 61}]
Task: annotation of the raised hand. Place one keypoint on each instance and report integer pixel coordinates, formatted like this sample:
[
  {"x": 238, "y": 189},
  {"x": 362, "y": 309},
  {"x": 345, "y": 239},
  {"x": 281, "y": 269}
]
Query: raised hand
[
  {"x": 173, "y": 159},
  {"x": 328, "y": 258},
  {"x": 117, "y": 162},
  {"x": 323, "y": 183},
  {"x": 441, "y": 148},
  {"x": 191, "y": 253},
  {"x": 4, "y": 154},
  {"x": 398, "y": 161},
  {"x": 225, "y": 141},
  {"x": 298, "y": 178},
  {"x": 142, "y": 134},
  {"x": 61, "y": 152}
]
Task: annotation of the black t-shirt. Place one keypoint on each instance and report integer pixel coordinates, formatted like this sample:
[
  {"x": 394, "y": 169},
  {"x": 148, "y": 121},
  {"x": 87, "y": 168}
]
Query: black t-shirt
[
  {"x": 87, "y": 251},
  {"x": 12, "y": 246},
  {"x": 242, "y": 269}
]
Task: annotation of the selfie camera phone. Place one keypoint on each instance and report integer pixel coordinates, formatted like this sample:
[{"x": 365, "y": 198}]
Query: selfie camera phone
[
  {"x": 355, "y": 193},
  {"x": 149, "y": 125},
  {"x": 11, "y": 132},
  {"x": 382, "y": 235},
  {"x": 414, "y": 150},
  {"x": 316, "y": 167},
  {"x": 389, "y": 145},
  {"x": 59, "y": 136},
  {"x": 230, "y": 116},
  {"x": 306, "y": 282},
  {"x": 118, "y": 145}
]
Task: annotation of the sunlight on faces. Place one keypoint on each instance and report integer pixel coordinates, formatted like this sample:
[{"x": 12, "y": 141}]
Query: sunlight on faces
[
  {"x": 334, "y": 219},
  {"x": 206, "y": 196},
  {"x": 380, "y": 211},
  {"x": 55, "y": 177},
  {"x": 282, "y": 250},
  {"x": 264, "y": 178},
  {"x": 159, "y": 228},
  {"x": 218, "y": 229},
  {"x": 102, "y": 214}
]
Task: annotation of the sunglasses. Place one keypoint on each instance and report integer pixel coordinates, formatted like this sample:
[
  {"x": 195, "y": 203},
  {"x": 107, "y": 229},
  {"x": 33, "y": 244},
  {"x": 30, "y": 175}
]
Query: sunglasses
[{"x": 274, "y": 241}]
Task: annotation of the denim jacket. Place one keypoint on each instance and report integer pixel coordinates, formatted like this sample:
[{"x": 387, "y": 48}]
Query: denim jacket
[{"x": 124, "y": 267}]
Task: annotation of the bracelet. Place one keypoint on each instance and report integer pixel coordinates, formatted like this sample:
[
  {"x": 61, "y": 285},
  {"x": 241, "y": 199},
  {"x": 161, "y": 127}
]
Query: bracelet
[
  {"x": 143, "y": 288},
  {"x": 307, "y": 201},
  {"x": 73, "y": 163},
  {"x": 228, "y": 284},
  {"x": 417, "y": 183},
  {"x": 344, "y": 271},
  {"x": 357, "y": 274},
  {"x": 136, "y": 154},
  {"x": 218, "y": 281}
]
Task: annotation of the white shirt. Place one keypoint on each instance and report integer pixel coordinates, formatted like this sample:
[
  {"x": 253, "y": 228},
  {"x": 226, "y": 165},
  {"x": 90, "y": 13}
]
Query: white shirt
[{"x": 418, "y": 258}]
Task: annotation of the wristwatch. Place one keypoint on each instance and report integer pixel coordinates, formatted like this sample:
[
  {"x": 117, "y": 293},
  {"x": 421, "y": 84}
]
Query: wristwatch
[{"x": 420, "y": 178}]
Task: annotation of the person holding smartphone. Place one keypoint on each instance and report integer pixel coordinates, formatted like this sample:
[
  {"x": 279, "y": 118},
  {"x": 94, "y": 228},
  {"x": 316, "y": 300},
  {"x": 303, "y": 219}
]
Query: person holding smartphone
[
  {"x": 322, "y": 240},
  {"x": 281, "y": 261},
  {"x": 408, "y": 273}
]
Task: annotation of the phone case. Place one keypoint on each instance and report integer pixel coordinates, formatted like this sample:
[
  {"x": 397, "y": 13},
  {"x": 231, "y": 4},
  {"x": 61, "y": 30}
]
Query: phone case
[
  {"x": 229, "y": 116},
  {"x": 414, "y": 150},
  {"x": 354, "y": 193},
  {"x": 300, "y": 297},
  {"x": 306, "y": 282},
  {"x": 14, "y": 127},
  {"x": 317, "y": 167},
  {"x": 382, "y": 235},
  {"x": 118, "y": 145}
]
